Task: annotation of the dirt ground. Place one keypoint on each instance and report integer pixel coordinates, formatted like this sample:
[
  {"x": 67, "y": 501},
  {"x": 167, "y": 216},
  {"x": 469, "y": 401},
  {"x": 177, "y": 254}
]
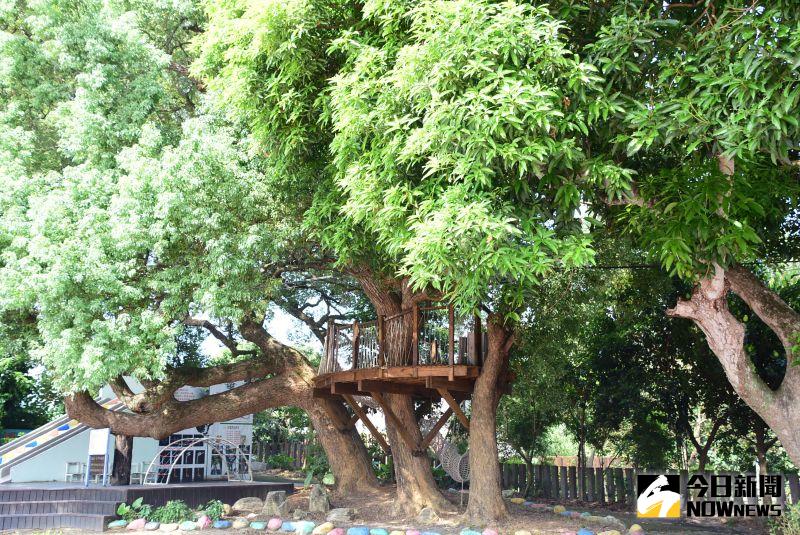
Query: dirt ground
[{"x": 377, "y": 510}]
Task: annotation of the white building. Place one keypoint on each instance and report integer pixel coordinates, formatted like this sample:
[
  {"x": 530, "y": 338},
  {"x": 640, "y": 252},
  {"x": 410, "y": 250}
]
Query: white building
[{"x": 58, "y": 450}]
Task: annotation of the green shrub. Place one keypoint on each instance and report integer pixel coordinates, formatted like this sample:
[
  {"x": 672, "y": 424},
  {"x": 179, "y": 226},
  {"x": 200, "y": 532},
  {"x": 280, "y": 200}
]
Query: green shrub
[
  {"x": 173, "y": 512},
  {"x": 135, "y": 510},
  {"x": 214, "y": 509},
  {"x": 281, "y": 460},
  {"x": 788, "y": 523}
]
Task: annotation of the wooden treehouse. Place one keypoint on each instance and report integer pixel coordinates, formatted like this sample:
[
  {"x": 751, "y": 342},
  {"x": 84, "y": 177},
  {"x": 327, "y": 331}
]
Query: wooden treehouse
[{"x": 425, "y": 352}]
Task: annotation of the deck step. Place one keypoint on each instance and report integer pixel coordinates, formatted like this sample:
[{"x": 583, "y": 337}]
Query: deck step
[
  {"x": 58, "y": 507},
  {"x": 66, "y": 520}
]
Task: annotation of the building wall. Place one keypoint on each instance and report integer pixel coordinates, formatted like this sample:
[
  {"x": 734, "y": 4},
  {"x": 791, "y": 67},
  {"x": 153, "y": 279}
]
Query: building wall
[{"x": 50, "y": 465}]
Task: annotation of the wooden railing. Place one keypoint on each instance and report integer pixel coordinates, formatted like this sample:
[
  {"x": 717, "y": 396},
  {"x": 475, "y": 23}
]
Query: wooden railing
[{"x": 420, "y": 336}]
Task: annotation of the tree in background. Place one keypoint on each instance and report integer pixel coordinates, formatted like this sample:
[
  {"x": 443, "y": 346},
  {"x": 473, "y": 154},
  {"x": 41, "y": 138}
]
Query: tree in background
[{"x": 132, "y": 215}]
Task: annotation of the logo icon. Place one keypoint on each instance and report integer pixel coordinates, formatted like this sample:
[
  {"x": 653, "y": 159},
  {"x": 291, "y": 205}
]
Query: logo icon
[{"x": 659, "y": 496}]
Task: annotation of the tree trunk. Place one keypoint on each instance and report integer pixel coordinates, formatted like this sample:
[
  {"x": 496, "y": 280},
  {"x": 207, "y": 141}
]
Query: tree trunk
[
  {"x": 348, "y": 457},
  {"x": 485, "y": 487},
  {"x": 708, "y": 309},
  {"x": 123, "y": 460},
  {"x": 416, "y": 486}
]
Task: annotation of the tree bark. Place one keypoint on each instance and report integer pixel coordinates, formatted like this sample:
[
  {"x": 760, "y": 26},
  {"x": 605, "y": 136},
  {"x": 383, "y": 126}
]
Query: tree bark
[
  {"x": 708, "y": 309},
  {"x": 123, "y": 460},
  {"x": 485, "y": 486}
]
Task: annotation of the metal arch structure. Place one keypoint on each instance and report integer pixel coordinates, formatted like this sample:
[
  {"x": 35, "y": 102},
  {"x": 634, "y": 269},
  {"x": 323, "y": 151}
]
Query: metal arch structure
[{"x": 232, "y": 469}]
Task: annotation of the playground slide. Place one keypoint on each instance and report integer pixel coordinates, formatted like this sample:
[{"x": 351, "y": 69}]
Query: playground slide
[{"x": 43, "y": 438}]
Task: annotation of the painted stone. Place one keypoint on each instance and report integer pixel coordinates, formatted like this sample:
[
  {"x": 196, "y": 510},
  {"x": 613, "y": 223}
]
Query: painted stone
[
  {"x": 168, "y": 527},
  {"x": 636, "y": 528},
  {"x": 204, "y": 522},
  {"x": 222, "y": 524},
  {"x": 378, "y": 531},
  {"x": 430, "y": 533},
  {"x": 323, "y": 529},
  {"x": 412, "y": 532},
  {"x": 304, "y": 527},
  {"x": 522, "y": 532},
  {"x": 517, "y": 500},
  {"x": 240, "y": 523},
  {"x": 584, "y": 531},
  {"x": 151, "y": 526},
  {"x": 358, "y": 530},
  {"x": 258, "y": 525},
  {"x": 274, "y": 524},
  {"x": 586, "y": 514},
  {"x": 527, "y": 503},
  {"x": 610, "y": 532},
  {"x": 336, "y": 531},
  {"x": 188, "y": 526},
  {"x": 397, "y": 532},
  {"x": 116, "y": 524},
  {"x": 137, "y": 525},
  {"x": 558, "y": 509},
  {"x": 574, "y": 514},
  {"x": 490, "y": 531},
  {"x": 566, "y": 513},
  {"x": 227, "y": 509},
  {"x": 287, "y": 527},
  {"x": 467, "y": 531}
]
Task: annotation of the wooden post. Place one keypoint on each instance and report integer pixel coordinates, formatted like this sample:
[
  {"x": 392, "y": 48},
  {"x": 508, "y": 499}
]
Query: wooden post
[
  {"x": 794, "y": 488},
  {"x": 629, "y": 490},
  {"x": 477, "y": 340},
  {"x": 592, "y": 494},
  {"x": 557, "y": 490},
  {"x": 451, "y": 319},
  {"x": 415, "y": 337},
  {"x": 684, "y": 478},
  {"x": 562, "y": 470},
  {"x": 538, "y": 470},
  {"x": 601, "y": 493},
  {"x": 546, "y": 485},
  {"x": 612, "y": 496},
  {"x": 381, "y": 340},
  {"x": 355, "y": 345},
  {"x": 619, "y": 484},
  {"x": 573, "y": 484}
]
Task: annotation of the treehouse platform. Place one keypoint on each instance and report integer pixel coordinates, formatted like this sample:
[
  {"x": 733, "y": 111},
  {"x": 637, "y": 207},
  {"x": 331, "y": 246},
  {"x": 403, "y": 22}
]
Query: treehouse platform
[
  {"x": 420, "y": 352},
  {"x": 426, "y": 352}
]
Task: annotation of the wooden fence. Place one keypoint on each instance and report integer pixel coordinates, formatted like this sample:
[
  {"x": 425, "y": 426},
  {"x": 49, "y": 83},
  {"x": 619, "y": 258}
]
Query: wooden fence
[
  {"x": 262, "y": 451},
  {"x": 557, "y": 483},
  {"x": 608, "y": 486}
]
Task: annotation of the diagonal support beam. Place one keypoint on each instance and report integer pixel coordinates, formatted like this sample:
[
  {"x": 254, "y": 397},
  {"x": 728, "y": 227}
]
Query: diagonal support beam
[
  {"x": 363, "y": 416},
  {"x": 426, "y": 441},
  {"x": 448, "y": 397},
  {"x": 395, "y": 421}
]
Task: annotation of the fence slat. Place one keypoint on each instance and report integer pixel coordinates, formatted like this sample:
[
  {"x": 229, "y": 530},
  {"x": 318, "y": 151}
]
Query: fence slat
[
  {"x": 558, "y": 490},
  {"x": 601, "y": 494},
  {"x": 794, "y": 488}
]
